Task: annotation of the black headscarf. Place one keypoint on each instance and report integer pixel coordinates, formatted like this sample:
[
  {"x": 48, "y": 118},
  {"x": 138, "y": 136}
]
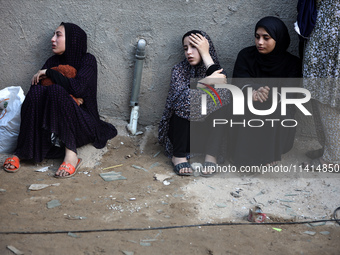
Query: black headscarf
[
  {"x": 275, "y": 27},
  {"x": 76, "y": 44},
  {"x": 278, "y": 63}
]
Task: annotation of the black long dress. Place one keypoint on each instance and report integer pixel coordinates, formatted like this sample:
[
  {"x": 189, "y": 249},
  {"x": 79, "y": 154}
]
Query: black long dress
[
  {"x": 51, "y": 109},
  {"x": 262, "y": 145}
]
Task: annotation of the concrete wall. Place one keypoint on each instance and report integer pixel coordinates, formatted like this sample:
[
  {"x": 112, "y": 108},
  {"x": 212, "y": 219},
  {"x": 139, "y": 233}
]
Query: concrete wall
[{"x": 113, "y": 29}]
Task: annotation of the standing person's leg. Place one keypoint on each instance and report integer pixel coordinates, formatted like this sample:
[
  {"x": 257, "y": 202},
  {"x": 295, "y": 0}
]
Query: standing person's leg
[
  {"x": 330, "y": 125},
  {"x": 319, "y": 132},
  {"x": 330, "y": 119}
]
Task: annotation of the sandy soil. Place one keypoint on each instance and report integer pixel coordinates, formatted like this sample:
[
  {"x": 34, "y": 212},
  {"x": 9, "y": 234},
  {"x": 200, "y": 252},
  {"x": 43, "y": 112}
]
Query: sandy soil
[{"x": 121, "y": 215}]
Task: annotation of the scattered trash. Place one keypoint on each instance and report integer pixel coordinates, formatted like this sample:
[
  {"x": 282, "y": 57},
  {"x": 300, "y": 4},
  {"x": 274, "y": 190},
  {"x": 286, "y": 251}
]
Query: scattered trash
[
  {"x": 112, "y": 176},
  {"x": 278, "y": 229},
  {"x": 221, "y": 205},
  {"x": 166, "y": 183},
  {"x": 197, "y": 167},
  {"x": 112, "y": 167},
  {"x": 139, "y": 167},
  {"x": 14, "y": 250},
  {"x": 53, "y": 203},
  {"x": 41, "y": 186},
  {"x": 161, "y": 177},
  {"x": 154, "y": 165},
  {"x": 127, "y": 156},
  {"x": 75, "y": 217},
  {"x": 144, "y": 244},
  {"x": 72, "y": 235},
  {"x": 324, "y": 233},
  {"x": 286, "y": 201},
  {"x": 235, "y": 194},
  {"x": 156, "y": 154},
  {"x": 128, "y": 252},
  {"x": 256, "y": 215},
  {"x": 261, "y": 193},
  {"x": 211, "y": 187},
  {"x": 132, "y": 199},
  {"x": 311, "y": 233},
  {"x": 42, "y": 170},
  {"x": 2, "y": 190}
]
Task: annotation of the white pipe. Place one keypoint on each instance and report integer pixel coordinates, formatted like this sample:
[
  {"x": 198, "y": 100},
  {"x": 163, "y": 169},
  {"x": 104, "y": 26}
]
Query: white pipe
[{"x": 132, "y": 126}]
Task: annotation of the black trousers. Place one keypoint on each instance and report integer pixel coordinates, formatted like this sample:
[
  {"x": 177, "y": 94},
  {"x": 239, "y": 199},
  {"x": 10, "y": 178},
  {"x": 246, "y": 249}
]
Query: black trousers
[{"x": 197, "y": 137}]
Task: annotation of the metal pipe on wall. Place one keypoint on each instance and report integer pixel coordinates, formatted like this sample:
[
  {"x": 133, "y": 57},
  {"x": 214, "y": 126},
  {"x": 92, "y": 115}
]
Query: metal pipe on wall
[{"x": 137, "y": 77}]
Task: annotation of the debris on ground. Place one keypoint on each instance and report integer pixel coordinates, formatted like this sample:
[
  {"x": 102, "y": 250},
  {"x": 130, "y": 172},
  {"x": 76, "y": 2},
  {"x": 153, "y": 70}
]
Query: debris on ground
[
  {"x": 112, "y": 176},
  {"x": 41, "y": 186},
  {"x": 53, "y": 203},
  {"x": 14, "y": 250}
]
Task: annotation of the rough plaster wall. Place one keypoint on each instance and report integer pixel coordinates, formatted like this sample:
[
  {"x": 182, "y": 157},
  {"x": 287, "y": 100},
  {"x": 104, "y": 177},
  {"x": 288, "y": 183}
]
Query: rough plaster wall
[{"x": 114, "y": 28}]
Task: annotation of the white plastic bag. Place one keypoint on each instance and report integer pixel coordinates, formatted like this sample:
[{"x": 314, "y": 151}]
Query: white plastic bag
[{"x": 11, "y": 99}]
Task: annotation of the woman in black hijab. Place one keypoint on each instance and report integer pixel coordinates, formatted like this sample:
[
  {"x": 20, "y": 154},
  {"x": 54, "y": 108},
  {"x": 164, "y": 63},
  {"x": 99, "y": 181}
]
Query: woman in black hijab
[
  {"x": 267, "y": 59},
  {"x": 53, "y": 124}
]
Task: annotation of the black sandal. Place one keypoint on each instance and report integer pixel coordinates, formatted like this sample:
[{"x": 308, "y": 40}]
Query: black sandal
[
  {"x": 209, "y": 169},
  {"x": 180, "y": 166}
]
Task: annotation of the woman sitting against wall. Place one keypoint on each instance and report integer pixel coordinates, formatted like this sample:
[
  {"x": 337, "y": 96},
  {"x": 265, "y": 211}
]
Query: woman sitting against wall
[
  {"x": 174, "y": 128},
  {"x": 255, "y": 67},
  {"x": 57, "y": 119}
]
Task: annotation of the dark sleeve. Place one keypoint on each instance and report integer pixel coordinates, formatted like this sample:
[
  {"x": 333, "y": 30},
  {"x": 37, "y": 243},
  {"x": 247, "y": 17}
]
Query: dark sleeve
[
  {"x": 212, "y": 69},
  {"x": 58, "y": 78}
]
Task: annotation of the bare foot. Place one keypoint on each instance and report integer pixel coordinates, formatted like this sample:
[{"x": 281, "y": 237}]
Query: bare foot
[
  {"x": 209, "y": 167},
  {"x": 12, "y": 164},
  {"x": 274, "y": 163},
  {"x": 70, "y": 158},
  {"x": 176, "y": 161}
]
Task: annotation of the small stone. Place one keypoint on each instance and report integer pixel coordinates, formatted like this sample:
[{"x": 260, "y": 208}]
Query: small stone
[
  {"x": 221, "y": 205},
  {"x": 128, "y": 252},
  {"x": 316, "y": 224},
  {"x": 311, "y": 233},
  {"x": 324, "y": 233},
  {"x": 234, "y": 194},
  {"x": 53, "y": 203},
  {"x": 145, "y": 244}
]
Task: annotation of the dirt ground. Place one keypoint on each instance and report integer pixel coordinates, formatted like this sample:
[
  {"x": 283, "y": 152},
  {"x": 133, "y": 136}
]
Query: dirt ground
[{"x": 127, "y": 216}]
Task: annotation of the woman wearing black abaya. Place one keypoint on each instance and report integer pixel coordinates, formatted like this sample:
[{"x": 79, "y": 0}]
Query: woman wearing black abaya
[
  {"x": 267, "y": 59},
  {"x": 53, "y": 124}
]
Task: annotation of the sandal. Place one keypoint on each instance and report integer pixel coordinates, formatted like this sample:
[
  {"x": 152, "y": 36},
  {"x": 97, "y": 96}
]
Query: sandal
[
  {"x": 68, "y": 168},
  {"x": 180, "y": 166},
  {"x": 209, "y": 169},
  {"x": 14, "y": 161}
]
